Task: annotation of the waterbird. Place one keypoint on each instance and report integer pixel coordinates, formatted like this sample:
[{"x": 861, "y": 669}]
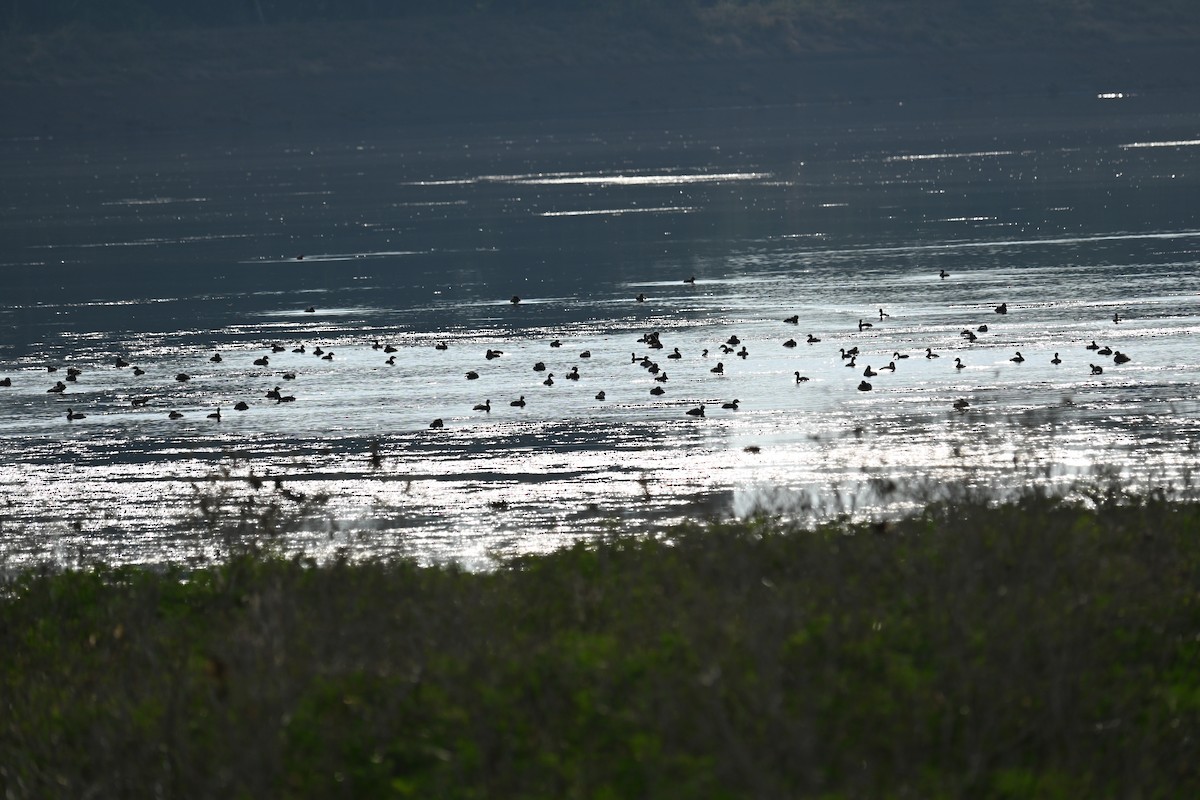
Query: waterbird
[
  {"x": 138, "y": 371},
  {"x": 285, "y": 398},
  {"x": 790, "y": 343},
  {"x": 641, "y": 298},
  {"x": 277, "y": 348},
  {"x": 1018, "y": 358},
  {"x": 472, "y": 375},
  {"x": 1093, "y": 346},
  {"x": 658, "y": 390},
  {"x": 930, "y": 354},
  {"x": 514, "y": 300},
  {"x": 698, "y": 411},
  {"x": 549, "y": 379},
  {"x": 1104, "y": 351},
  {"x": 573, "y": 375},
  {"x": 869, "y": 373},
  {"x": 743, "y": 352},
  {"x": 1096, "y": 370},
  {"x": 732, "y": 405},
  {"x": 72, "y": 415},
  {"x": 519, "y": 402},
  {"x": 139, "y": 401},
  {"x": 441, "y": 346},
  {"x": 310, "y": 309},
  {"x": 958, "y": 364},
  {"x": 1120, "y": 358},
  {"x": 175, "y": 415},
  {"x": 943, "y": 274},
  {"x": 982, "y": 329},
  {"x": 600, "y": 395},
  {"x": 328, "y": 356},
  {"x": 6, "y": 381},
  {"x": 51, "y": 369},
  {"x": 216, "y": 414},
  {"x": 391, "y": 361},
  {"x": 690, "y": 279},
  {"x": 733, "y": 341},
  {"x": 490, "y": 354},
  {"x": 898, "y": 355},
  {"x": 890, "y": 366},
  {"x": 1056, "y": 359},
  {"x": 1116, "y": 318},
  {"x": 121, "y": 363},
  {"x": 555, "y": 343},
  {"x": 883, "y": 314},
  {"x": 388, "y": 348},
  {"x": 375, "y": 345},
  {"x": 288, "y": 376},
  {"x": 675, "y": 354},
  {"x": 961, "y": 404},
  {"x": 800, "y": 378},
  {"x": 852, "y": 362},
  {"x": 485, "y": 406},
  {"x": 539, "y": 366},
  {"x": 863, "y": 386},
  {"x": 812, "y": 339},
  {"x": 969, "y": 335},
  {"x": 794, "y": 319},
  {"x": 58, "y": 388},
  {"x": 299, "y": 349},
  {"x": 1002, "y": 308},
  {"x": 864, "y": 325},
  {"x": 273, "y": 394},
  {"x": 261, "y": 362},
  {"x": 241, "y": 405},
  {"x": 215, "y": 358},
  {"x": 719, "y": 369},
  {"x": 437, "y": 423},
  {"x": 182, "y": 377},
  {"x": 318, "y": 351}
]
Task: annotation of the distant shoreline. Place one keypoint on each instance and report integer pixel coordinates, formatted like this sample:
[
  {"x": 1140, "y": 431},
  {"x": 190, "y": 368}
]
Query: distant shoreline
[{"x": 80, "y": 83}]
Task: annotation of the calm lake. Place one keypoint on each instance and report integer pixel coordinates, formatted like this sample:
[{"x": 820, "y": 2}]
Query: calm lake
[{"x": 162, "y": 251}]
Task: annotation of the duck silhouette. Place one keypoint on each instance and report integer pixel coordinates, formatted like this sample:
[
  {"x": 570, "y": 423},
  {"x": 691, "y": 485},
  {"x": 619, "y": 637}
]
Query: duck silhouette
[
  {"x": 1018, "y": 358},
  {"x": 1002, "y": 308},
  {"x": 1056, "y": 360},
  {"x": 864, "y": 386},
  {"x": 732, "y": 404},
  {"x": 72, "y": 415},
  {"x": 437, "y": 423},
  {"x": 698, "y": 411},
  {"x": 484, "y": 406},
  {"x": 600, "y": 395},
  {"x": 800, "y": 378},
  {"x": 519, "y": 402}
]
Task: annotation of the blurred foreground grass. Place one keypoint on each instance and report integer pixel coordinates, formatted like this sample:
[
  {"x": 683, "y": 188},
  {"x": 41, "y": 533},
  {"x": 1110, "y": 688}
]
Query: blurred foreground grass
[{"x": 1037, "y": 648}]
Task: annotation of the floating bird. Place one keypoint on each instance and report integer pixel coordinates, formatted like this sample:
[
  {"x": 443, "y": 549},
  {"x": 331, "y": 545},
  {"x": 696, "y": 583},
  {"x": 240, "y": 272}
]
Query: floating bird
[
  {"x": 733, "y": 341},
  {"x": 675, "y": 354},
  {"x": 698, "y": 411},
  {"x": 890, "y": 366},
  {"x": 961, "y": 405},
  {"x": 586, "y": 354},
  {"x": 641, "y": 298},
  {"x": 139, "y": 401},
  {"x": 1002, "y": 308},
  {"x": 794, "y": 319},
  {"x": 573, "y": 375},
  {"x": 241, "y": 405},
  {"x": 273, "y": 394},
  {"x": 539, "y": 366},
  {"x": 852, "y": 362},
  {"x": 556, "y": 343},
  {"x": 1104, "y": 351},
  {"x": 1120, "y": 358},
  {"x": 662, "y": 378},
  {"x": 969, "y": 335},
  {"x": 299, "y": 349},
  {"x": 930, "y": 354},
  {"x": 5, "y": 381},
  {"x": 72, "y": 416},
  {"x": 1056, "y": 360},
  {"x": 437, "y": 423},
  {"x": 1096, "y": 370},
  {"x": 943, "y": 274},
  {"x": 743, "y": 352},
  {"x": 658, "y": 390},
  {"x": 958, "y": 364},
  {"x": 864, "y": 386},
  {"x": 600, "y": 395},
  {"x": 261, "y": 362},
  {"x": 1116, "y": 319},
  {"x": 138, "y": 371},
  {"x": 291, "y": 376},
  {"x": 441, "y": 346},
  {"x": 549, "y": 379},
  {"x": 277, "y": 348},
  {"x": 391, "y": 361},
  {"x": 869, "y": 373},
  {"x": 121, "y": 363},
  {"x": 485, "y": 406},
  {"x": 491, "y": 354},
  {"x": 216, "y": 414},
  {"x": 790, "y": 343},
  {"x": 182, "y": 377},
  {"x": 1093, "y": 346},
  {"x": 719, "y": 369},
  {"x": 287, "y": 398},
  {"x": 215, "y": 358},
  {"x": 1018, "y": 358},
  {"x": 514, "y": 300},
  {"x": 375, "y": 345},
  {"x": 58, "y": 388},
  {"x": 390, "y": 349},
  {"x": 898, "y": 355},
  {"x": 519, "y": 402},
  {"x": 800, "y": 378},
  {"x": 691, "y": 279},
  {"x": 732, "y": 405},
  {"x": 310, "y": 309},
  {"x": 175, "y": 415},
  {"x": 318, "y": 351},
  {"x": 328, "y": 356},
  {"x": 472, "y": 375},
  {"x": 883, "y": 314},
  {"x": 982, "y": 329},
  {"x": 812, "y": 339}
]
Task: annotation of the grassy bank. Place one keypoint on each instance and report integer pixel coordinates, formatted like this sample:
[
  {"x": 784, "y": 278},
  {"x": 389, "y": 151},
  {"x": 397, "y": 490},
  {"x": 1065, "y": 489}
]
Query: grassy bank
[{"x": 1037, "y": 649}]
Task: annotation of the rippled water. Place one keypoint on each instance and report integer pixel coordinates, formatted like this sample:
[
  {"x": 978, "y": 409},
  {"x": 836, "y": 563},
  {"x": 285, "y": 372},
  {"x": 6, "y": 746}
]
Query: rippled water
[{"x": 163, "y": 252}]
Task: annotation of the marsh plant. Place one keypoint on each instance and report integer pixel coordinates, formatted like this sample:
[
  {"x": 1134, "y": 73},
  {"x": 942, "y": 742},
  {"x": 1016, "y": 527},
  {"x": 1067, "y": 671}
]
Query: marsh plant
[{"x": 1037, "y": 647}]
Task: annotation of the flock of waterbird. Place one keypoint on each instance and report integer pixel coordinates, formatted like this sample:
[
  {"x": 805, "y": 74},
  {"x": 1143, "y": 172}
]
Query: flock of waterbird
[{"x": 732, "y": 347}]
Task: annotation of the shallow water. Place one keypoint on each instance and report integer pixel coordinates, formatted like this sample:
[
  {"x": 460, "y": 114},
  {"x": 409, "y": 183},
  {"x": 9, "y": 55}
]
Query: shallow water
[{"x": 164, "y": 251}]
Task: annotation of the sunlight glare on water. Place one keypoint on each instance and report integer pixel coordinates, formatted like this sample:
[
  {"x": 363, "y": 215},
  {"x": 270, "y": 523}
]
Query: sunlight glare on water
[{"x": 409, "y": 254}]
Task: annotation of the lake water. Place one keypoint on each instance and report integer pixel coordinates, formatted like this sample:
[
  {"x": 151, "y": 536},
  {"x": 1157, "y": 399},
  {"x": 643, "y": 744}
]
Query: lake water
[{"x": 162, "y": 251}]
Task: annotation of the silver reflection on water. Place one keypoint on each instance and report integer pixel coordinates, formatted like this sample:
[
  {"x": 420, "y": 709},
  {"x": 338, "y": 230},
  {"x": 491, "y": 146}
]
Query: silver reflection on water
[{"x": 168, "y": 269}]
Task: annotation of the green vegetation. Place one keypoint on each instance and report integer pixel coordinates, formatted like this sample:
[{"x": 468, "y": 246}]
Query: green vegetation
[{"x": 1040, "y": 648}]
